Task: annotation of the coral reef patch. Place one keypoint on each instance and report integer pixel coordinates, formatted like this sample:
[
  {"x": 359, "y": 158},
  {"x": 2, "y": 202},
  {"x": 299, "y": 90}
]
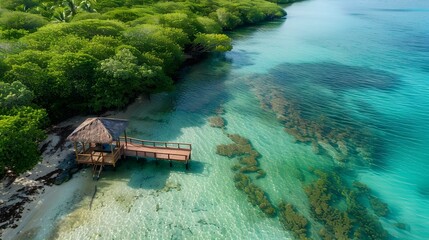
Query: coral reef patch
[
  {"x": 339, "y": 209},
  {"x": 293, "y": 221},
  {"x": 255, "y": 195}
]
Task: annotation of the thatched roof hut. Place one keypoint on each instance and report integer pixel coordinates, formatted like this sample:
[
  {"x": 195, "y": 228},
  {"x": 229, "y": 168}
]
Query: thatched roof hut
[{"x": 99, "y": 130}]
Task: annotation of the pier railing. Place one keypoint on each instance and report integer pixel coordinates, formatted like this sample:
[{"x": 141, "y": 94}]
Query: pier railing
[
  {"x": 91, "y": 156},
  {"x": 157, "y": 144}
]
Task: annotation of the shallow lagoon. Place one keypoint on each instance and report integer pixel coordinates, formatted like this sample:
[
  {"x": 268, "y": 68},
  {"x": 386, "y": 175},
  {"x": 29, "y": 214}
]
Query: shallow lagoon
[{"x": 357, "y": 67}]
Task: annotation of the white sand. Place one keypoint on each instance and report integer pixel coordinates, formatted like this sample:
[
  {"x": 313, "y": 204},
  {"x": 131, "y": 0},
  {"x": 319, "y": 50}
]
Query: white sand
[
  {"x": 43, "y": 204},
  {"x": 42, "y": 195}
]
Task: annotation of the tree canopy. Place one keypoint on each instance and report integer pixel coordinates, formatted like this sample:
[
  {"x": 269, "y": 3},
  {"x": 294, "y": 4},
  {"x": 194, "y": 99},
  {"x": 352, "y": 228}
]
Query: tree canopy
[
  {"x": 20, "y": 127},
  {"x": 84, "y": 56}
]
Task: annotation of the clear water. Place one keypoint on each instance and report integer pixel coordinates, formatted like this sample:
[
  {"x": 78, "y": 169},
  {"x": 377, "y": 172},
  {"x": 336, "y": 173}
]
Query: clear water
[{"x": 363, "y": 64}]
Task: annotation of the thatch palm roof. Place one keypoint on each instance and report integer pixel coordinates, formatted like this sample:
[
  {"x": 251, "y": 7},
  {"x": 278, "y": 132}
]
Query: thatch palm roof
[{"x": 98, "y": 130}]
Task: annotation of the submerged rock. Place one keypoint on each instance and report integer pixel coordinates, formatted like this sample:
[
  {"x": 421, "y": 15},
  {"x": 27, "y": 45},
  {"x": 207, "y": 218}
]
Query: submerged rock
[
  {"x": 247, "y": 164},
  {"x": 217, "y": 122},
  {"x": 235, "y": 167},
  {"x": 362, "y": 188},
  {"x": 62, "y": 178},
  {"x": 249, "y": 160},
  {"x": 331, "y": 151},
  {"x": 380, "y": 208},
  {"x": 402, "y": 226},
  {"x": 170, "y": 185},
  {"x": 238, "y": 139},
  {"x": 232, "y": 150},
  {"x": 249, "y": 169},
  {"x": 261, "y": 174}
]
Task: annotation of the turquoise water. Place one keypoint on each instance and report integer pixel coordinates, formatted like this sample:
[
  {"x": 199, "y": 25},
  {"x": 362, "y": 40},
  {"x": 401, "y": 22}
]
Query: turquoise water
[{"x": 358, "y": 68}]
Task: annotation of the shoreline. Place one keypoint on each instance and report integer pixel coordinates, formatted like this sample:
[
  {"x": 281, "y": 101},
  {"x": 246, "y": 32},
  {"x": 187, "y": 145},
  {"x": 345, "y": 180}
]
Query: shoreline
[
  {"x": 22, "y": 195},
  {"x": 25, "y": 198}
]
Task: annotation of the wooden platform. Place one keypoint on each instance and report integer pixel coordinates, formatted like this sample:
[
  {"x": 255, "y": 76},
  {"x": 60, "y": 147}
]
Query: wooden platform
[
  {"x": 99, "y": 157},
  {"x": 170, "y": 151},
  {"x": 97, "y": 142},
  {"x": 92, "y": 156},
  {"x": 158, "y": 153}
]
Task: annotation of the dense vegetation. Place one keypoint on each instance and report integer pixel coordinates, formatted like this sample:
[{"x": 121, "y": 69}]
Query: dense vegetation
[
  {"x": 67, "y": 57},
  {"x": 20, "y": 127}
]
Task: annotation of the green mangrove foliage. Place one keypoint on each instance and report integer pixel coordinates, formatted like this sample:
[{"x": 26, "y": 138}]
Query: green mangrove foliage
[
  {"x": 87, "y": 56},
  {"x": 284, "y": 1},
  {"x": 293, "y": 221},
  {"x": 21, "y": 21},
  {"x": 14, "y": 95},
  {"x": 74, "y": 62},
  {"x": 20, "y": 128},
  {"x": 211, "y": 43},
  {"x": 339, "y": 209},
  {"x": 255, "y": 195}
]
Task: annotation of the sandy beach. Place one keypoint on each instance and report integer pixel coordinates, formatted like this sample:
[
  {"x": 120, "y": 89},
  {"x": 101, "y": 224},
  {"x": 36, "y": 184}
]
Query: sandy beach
[
  {"x": 24, "y": 198},
  {"x": 32, "y": 198}
]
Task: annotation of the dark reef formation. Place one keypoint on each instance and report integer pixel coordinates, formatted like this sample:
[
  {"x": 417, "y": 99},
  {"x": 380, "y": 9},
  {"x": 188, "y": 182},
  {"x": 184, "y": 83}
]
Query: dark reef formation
[
  {"x": 247, "y": 155},
  {"x": 246, "y": 165},
  {"x": 255, "y": 195},
  {"x": 323, "y": 133},
  {"x": 293, "y": 221},
  {"x": 217, "y": 122},
  {"x": 339, "y": 209}
]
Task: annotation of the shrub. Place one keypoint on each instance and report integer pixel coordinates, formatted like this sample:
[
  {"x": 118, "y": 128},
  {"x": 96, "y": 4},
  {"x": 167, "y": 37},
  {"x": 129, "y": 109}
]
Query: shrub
[
  {"x": 212, "y": 43},
  {"x": 19, "y": 135},
  {"x": 20, "y": 20}
]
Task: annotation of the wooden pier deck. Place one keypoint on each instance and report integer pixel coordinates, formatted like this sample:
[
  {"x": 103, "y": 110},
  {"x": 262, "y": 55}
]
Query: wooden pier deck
[
  {"x": 97, "y": 142},
  {"x": 179, "y": 152},
  {"x": 170, "y": 151}
]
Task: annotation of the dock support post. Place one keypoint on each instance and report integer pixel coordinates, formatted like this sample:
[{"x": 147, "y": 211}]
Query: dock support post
[
  {"x": 126, "y": 140},
  {"x": 75, "y": 151},
  {"x": 187, "y": 165},
  {"x": 171, "y": 163}
]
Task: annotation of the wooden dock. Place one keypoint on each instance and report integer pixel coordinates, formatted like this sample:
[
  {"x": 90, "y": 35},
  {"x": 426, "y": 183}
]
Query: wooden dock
[
  {"x": 170, "y": 151},
  {"x": 97, "y": 142},
  {"x": 132, "y": 147}
]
